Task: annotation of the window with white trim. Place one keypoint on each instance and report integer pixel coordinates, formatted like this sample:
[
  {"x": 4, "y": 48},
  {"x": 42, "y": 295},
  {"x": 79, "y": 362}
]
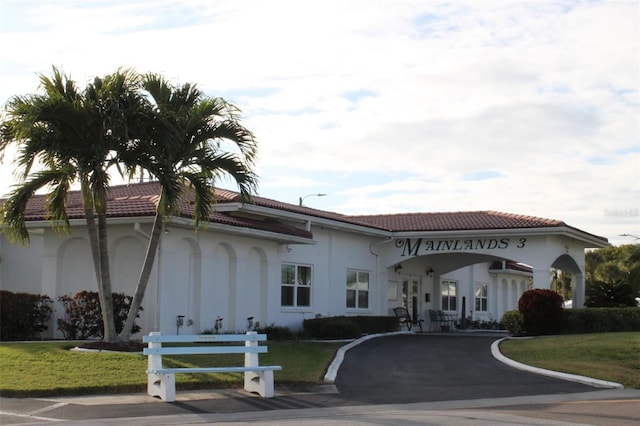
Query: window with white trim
[
  {"x": 295, "y": 288},
  {"x": 481, "y": 297},
  {"x": 449, "y": 295},
  {"x": 357, "y": 289}
]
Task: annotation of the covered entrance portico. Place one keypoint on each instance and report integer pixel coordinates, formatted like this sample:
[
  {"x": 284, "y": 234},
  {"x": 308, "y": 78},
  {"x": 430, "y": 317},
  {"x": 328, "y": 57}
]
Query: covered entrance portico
[{"x": 484, "y": 270}]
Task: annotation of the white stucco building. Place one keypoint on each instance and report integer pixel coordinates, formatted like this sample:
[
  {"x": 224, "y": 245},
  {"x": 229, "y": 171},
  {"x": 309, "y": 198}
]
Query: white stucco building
[{"x": 281, "y": 263}]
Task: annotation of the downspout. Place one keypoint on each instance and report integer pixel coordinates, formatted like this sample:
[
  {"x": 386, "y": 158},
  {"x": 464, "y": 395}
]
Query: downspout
[
  {"x": 375, "y": 245},
  {"x": 377, "y": 255},
  {"x": 138, "y": 229}
]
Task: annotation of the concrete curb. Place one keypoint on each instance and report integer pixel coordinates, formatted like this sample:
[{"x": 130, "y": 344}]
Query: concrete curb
[
  {"x": 332, "y": 371},
  {"x": 495, "y": 351}
]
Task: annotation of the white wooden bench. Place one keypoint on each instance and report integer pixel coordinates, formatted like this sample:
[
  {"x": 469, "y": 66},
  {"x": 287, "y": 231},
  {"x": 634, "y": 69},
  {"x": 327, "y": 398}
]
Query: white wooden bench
[{"x": 161, "y": 380}]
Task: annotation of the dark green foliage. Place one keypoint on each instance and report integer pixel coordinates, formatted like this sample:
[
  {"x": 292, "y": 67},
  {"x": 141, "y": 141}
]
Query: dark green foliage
[
  {"x": 609, "y": 295},
  {"x": 612, "y": 265},
  {"x": 600, "y": 320},
  {"x": 513, "y": 321},
  {"x": 339, "y": 329},
  {"x": 314, "y": 327},
  {"x": 277, "y": 332},
  {"x": 23, "y": 316},
  {"x": 83, "y": 315},
  {"x": 542, "y": 311}
]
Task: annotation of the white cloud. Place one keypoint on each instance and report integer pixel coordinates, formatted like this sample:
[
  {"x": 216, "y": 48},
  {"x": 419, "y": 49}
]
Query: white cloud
[{"x": 386, "y": 106}]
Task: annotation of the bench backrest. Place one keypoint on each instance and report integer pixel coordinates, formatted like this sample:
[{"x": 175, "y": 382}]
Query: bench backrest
[
  {"x": 209, "y": 344},
  {"x": 402, "y": 313}
]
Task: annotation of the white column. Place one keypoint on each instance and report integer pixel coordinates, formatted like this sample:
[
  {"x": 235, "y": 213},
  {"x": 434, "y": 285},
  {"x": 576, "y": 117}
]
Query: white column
[
  {"x": 578, "y": 290},
  {"x": 542, "y": 278}
]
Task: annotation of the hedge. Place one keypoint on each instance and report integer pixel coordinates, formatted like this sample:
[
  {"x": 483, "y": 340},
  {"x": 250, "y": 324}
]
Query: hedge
[
  {"x": 583, "y": 320},
  {"x": 337, "y": 328},
  {"x": 600, "y": 320}
]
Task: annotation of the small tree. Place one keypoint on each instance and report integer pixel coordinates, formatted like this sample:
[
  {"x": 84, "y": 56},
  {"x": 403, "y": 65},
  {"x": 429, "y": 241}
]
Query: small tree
[
  {"x": 606, "y": 295},
  {"x": 542, "y": 311}
]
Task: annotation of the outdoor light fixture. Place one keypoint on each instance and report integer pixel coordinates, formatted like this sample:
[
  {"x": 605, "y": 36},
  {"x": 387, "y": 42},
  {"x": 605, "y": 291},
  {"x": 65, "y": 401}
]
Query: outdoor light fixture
[
  {"x": 398, "y": 267},
  {"x": 310, "y": 195},
  {"x": 430, "y": 272}
]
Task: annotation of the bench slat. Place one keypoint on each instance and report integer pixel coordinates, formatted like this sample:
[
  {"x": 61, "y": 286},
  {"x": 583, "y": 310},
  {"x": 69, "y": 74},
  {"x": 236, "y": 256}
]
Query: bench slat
[
  {"x": 204, "y": 338},
  {"x": 214, "y": 369},
  {"x": 198, "y": 350}
]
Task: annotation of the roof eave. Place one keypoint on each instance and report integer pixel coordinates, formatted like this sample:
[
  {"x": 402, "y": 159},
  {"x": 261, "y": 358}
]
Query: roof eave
[
  {"x": 304, "y": 219},
  {"x": 589, "y": 240},
  {"x": 240, "y": 230}
]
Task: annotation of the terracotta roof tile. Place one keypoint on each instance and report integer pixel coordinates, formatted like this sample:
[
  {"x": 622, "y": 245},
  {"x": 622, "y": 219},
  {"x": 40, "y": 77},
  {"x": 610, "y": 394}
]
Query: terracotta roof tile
[
  {"x": 450, "y": 221},
  {"x": 140, "y": 200}
]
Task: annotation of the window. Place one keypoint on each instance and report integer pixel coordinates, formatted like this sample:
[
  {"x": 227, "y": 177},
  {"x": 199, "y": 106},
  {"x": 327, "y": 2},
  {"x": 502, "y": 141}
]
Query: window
[
  {"x": 481, "y": 297},
  {"x": 295, "y": 290},
  {"x": 449, "y": 292},
  {"x": 357, "y": 289}
]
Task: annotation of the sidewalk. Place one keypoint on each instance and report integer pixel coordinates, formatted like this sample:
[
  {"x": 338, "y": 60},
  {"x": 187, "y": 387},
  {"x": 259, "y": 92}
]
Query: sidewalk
[{"x": 614, "y": 406}]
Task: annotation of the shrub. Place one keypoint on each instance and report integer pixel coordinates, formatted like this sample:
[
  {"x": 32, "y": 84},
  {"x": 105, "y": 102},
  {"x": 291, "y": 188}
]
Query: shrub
[
  {"x": 366, "y": 324},
  {"x": 277, "y": 332},
  {"x": 23, "y": 316},
  {"x": 542, "y": 311},
  {"x": 513, "y": 321},
  {"x": 600, "y": 320},
  {"x": 339, "y": 329},
  {"x": 478, "y": 324},
  {"x": 83, "y": 315}
]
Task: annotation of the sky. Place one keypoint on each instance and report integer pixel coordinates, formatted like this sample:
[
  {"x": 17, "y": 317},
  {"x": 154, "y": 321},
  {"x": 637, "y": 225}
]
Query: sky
[{"x": 525, "y": 107}]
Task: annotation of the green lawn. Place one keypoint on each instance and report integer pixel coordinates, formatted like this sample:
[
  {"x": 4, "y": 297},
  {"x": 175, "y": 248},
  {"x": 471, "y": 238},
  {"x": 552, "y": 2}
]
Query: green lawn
[
  {"x": 613, "y": 357},
  {"x": 46, "y": 369}
]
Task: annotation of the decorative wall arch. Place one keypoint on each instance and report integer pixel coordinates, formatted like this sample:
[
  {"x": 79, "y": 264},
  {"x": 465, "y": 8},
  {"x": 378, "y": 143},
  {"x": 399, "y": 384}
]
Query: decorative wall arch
[
  {"x": 255, "y": 284},
  {"x": 75, "y": 270},
  {"x": 181, "y": 284},
  {"x": 126, "y": 260},
  {"x": 219, "y": 290}
]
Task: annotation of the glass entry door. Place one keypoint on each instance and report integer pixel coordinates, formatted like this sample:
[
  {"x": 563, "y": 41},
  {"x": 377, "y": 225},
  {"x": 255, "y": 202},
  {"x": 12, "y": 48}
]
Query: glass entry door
[{"x": 411, "y": 296}]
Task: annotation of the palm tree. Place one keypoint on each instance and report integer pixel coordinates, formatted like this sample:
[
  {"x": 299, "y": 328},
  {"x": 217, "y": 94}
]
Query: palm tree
[
  {"x": 181, "y": 146},
  {"x": 75, "y": 136}
]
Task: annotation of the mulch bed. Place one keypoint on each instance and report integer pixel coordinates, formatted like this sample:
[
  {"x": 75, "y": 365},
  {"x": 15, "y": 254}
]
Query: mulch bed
[{"x": 132, "y": 346}]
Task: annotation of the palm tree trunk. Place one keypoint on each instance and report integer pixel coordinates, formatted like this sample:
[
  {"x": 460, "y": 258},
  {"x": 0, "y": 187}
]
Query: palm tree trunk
[
  {"x": 105, "y": 294},
  {"x": 104, "y": 286},
  {"x": 93, "y": 241},
  {"x": 145, "y": 274}
]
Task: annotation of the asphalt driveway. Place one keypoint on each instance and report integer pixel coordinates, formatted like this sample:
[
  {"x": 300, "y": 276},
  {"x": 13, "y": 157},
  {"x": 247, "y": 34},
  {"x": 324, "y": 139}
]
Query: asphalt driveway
[{"x": 431, "y": 367}]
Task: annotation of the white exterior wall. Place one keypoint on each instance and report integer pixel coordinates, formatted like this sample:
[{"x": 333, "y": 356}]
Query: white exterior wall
[
  {"x": 235, "y": 275},
  {"x": 21, "y": 267}
]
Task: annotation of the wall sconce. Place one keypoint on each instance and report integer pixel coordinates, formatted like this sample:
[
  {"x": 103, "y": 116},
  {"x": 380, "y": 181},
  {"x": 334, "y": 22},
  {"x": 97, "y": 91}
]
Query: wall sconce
[
  {"x": 398, "y": 267},
  {"x": 430, "y": 272}
]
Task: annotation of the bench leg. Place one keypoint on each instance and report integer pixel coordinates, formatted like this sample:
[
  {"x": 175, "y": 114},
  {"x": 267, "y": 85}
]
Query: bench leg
[
  {"x": 162, "y": 385},
  {"x": 260, "y": 382}
]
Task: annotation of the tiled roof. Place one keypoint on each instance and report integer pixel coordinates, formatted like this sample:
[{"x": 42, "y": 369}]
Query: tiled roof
[
  {"x": 462, "y": 221},
  {"x": 140, "y": 199}
]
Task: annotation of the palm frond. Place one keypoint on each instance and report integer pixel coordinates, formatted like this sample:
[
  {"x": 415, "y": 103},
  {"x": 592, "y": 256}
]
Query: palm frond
[{"x": 13, "y": 210}]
